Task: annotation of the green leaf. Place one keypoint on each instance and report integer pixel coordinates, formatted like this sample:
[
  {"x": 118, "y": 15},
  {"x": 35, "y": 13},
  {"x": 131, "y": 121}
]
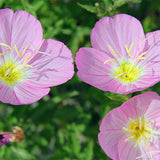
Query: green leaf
[
  {"x": 89, "y": 8},
  {"x": 88, "y": 152},
  {"x": 119, "y": 3},
  {"x": 116, "y": 97},
  {"x": 23, "y": 153}
]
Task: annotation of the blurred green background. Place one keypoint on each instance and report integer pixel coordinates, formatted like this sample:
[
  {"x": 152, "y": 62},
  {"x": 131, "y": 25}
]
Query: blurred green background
[{"x": 64, "y": 125}]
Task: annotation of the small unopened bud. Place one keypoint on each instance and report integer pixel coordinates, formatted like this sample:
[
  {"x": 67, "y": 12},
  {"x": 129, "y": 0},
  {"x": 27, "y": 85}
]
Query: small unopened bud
[
  {"x": 96, "y": 4},
  {"x": 17, "y": 135}
]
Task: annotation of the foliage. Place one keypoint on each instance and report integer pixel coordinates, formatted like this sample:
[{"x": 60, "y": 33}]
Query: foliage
[
  {"x": 64, "y": 125},
  {"x": 107, "y": 7}
]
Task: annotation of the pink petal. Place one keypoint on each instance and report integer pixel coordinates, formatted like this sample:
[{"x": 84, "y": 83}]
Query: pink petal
[
  {"x": 118, "y": 32},
  {"x": 111, "y": 132},
  {"x": 151, "y": 63},
  {"x": 118, "y": 87},
  {"x": 109, "y": 142},
  {"x": 26, "y": 30},
  {"x": 152, "y": 45},
  {"x": 153, "y": 112},
  {"x": 91, "y": 67},
  {"x": 53, "y": 67},
  {"x": 155, "y": 149},
  {"x": 30, "y": 92},
  {"x": 116, "y": 119},
  {"x": 8, "y": 95},
  {"x": 87, "y": 58},
  {"x": 146, "y": 81},
  {"x": 5, "y": 27},
  {"x": 138, "y": 105},
  {"x": 25, "y": 93},
  {"x": 127, "y": 150},
  {"x": 146, "y": 153}
]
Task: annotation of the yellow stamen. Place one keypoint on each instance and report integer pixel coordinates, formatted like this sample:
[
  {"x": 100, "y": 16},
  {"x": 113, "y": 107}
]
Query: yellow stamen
[
  {"x": 2, "y": 54},
  {"x": 127, "y": 72},
  {"x": 25, "y": 50},
  {"x": 15, "y": 46},
  {"x": 128, "y": 130},
  {"x": 130, "y": 48},
  {"x": 37, "y": 50},
  {"x": 24, "y": 62},
  {"x": 147, "y": 38},
  {"x": 121, "y": 75},
  {"x": 109, "y": 60},
  {"x": 11, "y": 72},
  {"x": 44, "y": 53},
  {"x": 27, "y": 65},
  {"x": 147, "y": 154},
  {"x": 112, "y": 50},
  {"x": 141, "y": 56},
  {"x": 143, "y": 43},
  {"x": 6, "y": 45},
  {"x": 8, "y": 71},
  {"x": 139, "y": 130},
  {"x": 129, "y": 138}
]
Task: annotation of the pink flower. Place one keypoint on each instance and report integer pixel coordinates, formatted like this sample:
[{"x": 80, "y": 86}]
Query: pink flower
[
  {"x": 29, "y": 65},
  {"x": 16, "y": 136},
  {"x": 132, "y": 131},
  {"x": 122, "y": 59}
]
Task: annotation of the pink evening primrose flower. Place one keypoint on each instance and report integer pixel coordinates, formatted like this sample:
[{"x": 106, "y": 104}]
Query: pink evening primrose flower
[
  {"x": 132, "y": 131},
  {"x": 29, "y": 64},
  {"x": 122, "y": 59}
]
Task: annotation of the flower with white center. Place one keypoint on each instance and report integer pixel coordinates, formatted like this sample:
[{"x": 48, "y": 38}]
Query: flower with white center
[
  {"x": 29, "y": 65},
  {"x": 123, "y": 59},
  {"x": 132, "y": 131}
]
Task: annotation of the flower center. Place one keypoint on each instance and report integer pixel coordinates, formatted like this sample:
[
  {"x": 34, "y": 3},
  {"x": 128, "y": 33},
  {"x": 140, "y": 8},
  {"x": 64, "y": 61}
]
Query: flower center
[
  {"x": 138, "y": 129},
  {"x": 12, "y": 69},
  {"x": 11, "y": 72},
  {"x": 127, "y": 72},
  {"x": 15, "y": 69}
]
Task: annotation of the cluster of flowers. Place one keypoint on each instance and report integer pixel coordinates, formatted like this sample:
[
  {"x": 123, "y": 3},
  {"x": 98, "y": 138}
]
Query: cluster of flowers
[{"x": 123, "y": 60}]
